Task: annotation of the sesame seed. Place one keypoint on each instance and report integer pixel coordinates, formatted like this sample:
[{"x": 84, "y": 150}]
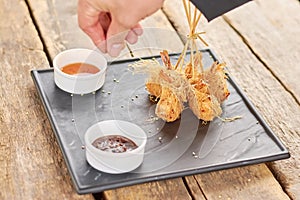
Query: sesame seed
[{"x": 159, "y": 139}]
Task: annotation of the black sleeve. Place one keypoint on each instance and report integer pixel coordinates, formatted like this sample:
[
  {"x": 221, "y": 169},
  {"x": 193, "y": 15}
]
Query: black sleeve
[{"x": 214, "y": 8}]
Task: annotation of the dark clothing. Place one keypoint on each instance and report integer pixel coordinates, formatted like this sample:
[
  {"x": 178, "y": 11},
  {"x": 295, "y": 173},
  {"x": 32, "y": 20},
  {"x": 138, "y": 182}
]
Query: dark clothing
[{"x": 214, "y": 8}]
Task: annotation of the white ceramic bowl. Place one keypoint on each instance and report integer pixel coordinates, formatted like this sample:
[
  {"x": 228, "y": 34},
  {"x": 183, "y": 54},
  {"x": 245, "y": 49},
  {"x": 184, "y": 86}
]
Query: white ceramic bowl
[
  {"x": 79, "y": 84},
  {"x": 115, "y": 163}
]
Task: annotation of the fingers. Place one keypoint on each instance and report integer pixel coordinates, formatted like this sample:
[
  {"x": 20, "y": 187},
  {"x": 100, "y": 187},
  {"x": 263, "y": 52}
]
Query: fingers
[
  {"x": 104, "y": 20},
  {"x": 118, "y": 35},
  {"x": 137, "y": 29},
  {"x": 132, "y": 36},
  {"x": 110, "y": 23},
  {"x": 88, "y": 21}
]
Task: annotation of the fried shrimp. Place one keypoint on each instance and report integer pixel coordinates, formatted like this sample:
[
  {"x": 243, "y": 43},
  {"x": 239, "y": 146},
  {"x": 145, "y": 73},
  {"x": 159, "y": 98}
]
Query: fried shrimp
[
  {"x": 169, "y": 107},
  {"x": 204, "y": 105},
  {"x": 216, "y": 78},
  {"x": 174, "y": 85}
]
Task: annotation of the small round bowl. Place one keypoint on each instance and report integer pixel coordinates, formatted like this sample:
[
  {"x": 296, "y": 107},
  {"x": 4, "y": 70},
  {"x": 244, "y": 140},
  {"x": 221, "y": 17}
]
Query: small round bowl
[
  {"x": 115, "y": 163},
  {"x": 79, "y": 84}
]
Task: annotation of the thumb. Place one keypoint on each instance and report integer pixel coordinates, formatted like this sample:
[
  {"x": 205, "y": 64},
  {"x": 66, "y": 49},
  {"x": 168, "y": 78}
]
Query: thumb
[{"x": 116, "y": 35}]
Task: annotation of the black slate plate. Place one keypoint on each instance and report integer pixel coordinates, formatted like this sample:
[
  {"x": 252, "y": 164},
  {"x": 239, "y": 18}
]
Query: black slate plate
[{"x": 184, "y": 147}]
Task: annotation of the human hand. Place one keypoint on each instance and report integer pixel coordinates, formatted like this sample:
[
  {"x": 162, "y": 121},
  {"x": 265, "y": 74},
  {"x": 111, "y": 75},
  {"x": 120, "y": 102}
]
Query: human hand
[{"x": 110, "y": 22}]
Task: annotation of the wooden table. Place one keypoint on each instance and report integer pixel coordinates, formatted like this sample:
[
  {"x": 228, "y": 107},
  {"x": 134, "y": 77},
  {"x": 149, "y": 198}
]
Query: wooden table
[{"x": 260, "y": 43}]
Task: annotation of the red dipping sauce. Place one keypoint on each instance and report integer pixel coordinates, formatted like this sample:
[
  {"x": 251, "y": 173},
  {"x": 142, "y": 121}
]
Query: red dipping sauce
[{"x": 80, "y": 68}]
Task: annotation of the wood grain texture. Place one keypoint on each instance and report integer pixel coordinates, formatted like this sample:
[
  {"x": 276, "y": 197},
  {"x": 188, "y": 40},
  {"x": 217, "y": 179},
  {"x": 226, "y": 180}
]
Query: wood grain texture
[
  {"x": 172, "y": 189},
  {"x": 249, "y": 182},
  {"x": 271, "y": 29},
  {"x": 57, "y": 22},
  {"x": 274, "y": 102},
  {"x": 31, "y": 164}
]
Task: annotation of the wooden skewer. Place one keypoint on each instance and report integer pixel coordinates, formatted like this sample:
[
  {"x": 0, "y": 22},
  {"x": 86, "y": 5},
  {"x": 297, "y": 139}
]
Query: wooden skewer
[
  {"x": 186, "y": 11},
  {"x": 190, "y": 20},
  {"x": 192, "y": 58},
  {"x": 199, "y": 66},
  {"x": 180, "y": 60},
  {"x": 193, "y": 22},
  {"x": 202, "y": 40},
  {"x": 198, "y": 19},
  {"x": 129, "y": 49}
]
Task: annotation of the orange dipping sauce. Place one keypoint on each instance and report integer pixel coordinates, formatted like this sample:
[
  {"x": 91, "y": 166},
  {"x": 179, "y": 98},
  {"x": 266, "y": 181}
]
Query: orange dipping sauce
[{"x": 80, "y": 69}]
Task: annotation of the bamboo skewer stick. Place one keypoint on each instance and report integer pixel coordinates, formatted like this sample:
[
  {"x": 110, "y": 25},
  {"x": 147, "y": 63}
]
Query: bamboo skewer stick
[
  {"x": 196, "y": 53},
  {"x": 190, "y": 20},
  {"x": 180, "y": 60},
  {"x": 192, "y": 60},
  {"x": 198, "y": 19},
  {"x": 202, "y": 40},
  {"x": 193, "y": 22},
  {"x": 186, "y": 12},
  {"x": 193, "y": 18}
]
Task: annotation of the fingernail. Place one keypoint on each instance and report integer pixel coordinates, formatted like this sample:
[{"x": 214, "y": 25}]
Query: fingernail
[
  {"x": 115, "y": 49},
  {"x": 131, "y": 38},
  {"x": 138, "y": 31}
]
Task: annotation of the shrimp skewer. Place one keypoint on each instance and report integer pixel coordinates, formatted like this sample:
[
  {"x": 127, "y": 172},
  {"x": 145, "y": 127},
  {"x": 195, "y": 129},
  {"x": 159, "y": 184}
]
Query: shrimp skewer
[{"x": 173, "y": 85}]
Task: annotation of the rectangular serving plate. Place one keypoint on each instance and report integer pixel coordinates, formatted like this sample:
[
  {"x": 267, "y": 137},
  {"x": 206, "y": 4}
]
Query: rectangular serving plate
[{"x": 184, "y": 147}]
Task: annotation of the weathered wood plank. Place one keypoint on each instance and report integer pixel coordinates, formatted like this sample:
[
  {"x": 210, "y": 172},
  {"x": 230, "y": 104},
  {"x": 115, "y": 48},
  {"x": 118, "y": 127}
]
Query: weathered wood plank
[
  {"x": 273, "y": 35},
  {"x": 277, "y": 105},
  {"x": 59, "y": 30},
  {"x": 169, "y": 189},
  {"x": 57, "y": 21},
  {"x": 250, "y": 182},
  {"x": 31, "y": 164},
  {"x": 194, "y": 188}
]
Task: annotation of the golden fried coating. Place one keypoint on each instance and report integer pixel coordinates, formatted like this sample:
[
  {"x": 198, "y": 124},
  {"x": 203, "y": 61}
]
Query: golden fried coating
[
  {"x": 154, "y": 89},
  {"x": 203, "y": 105},
  {"x": 216, "y": 78},
  {"x": 166, "y": 59},
  {"x": 188, "y": 71},
  {"x": 169, "y": 107},
  {"x": 203, "y": 90}
]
